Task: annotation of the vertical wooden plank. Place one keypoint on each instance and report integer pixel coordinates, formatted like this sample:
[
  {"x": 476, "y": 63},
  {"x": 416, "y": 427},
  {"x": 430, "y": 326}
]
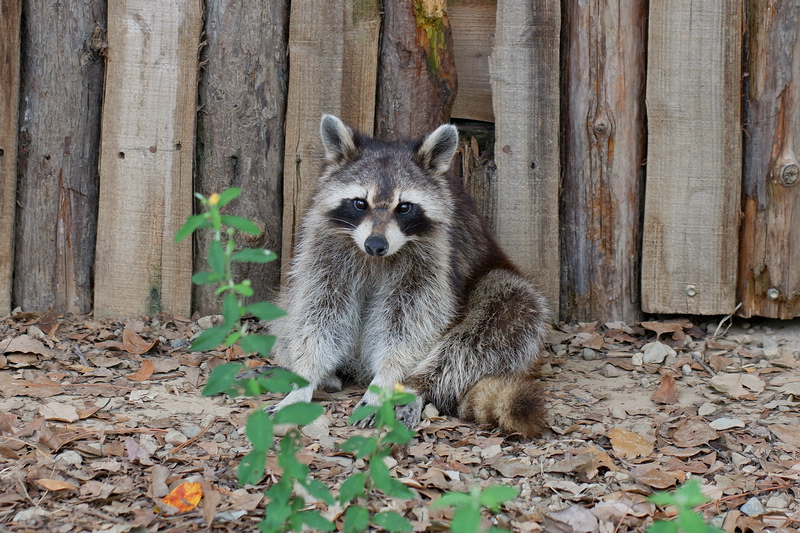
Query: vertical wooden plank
[
  {"x": 242, "y": 98},
  {"x": 525, "y": 91},
  {"x": 473, "y": 24},
  {"x": 769, "y": 277},
  {"x": 333, "y": 57},
  {"x": 416, "y": 78},
  {"x": 693, "y": 157},
  {"x": 59, "y": 131},
  {"x": 10, "y": 14},
  {"x": 146, "y": 158},
  {"x": 601, "y": 190}
]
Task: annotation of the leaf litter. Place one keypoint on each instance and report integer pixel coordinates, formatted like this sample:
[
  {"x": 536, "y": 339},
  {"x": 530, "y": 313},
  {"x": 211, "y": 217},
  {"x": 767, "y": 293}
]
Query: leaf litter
[{"x": 103, "y": 428}]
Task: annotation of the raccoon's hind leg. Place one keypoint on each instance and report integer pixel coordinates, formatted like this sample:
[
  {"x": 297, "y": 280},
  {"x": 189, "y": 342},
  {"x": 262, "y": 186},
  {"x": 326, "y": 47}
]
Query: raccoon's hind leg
[{"x": 486, "y": 359}]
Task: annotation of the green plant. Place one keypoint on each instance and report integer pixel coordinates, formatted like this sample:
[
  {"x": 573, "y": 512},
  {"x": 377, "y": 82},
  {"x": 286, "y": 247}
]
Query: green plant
[
  {"x": 685, "y": 498},
  {"x": 468, "y": 507}
]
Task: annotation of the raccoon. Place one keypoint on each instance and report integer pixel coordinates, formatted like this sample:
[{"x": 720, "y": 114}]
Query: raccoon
[{"x": 397, "y": 279}]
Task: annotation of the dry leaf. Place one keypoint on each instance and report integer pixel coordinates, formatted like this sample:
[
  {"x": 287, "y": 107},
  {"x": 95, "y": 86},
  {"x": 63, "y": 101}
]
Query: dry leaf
[
  {"x": 211, "y": 500},
  {"x": 667, "y": 392},
  {"x": 144, "y": 372},
  {"x": 134, "y": 344},
  {"x": 629, "y": 445},
  {"x": 184, "y": 497},
  {"x": 667, "y": 327},
  {"x": 693, "y": 432},
  {"x": 657, "y": 478},
  {"x": 736, "y": 385},
  {"x": 24, "y": 344},
  {"x": 48, "y": 323},
  {"x": 61, "y": 412},
  {"x": 54, "y": 484},
  {"x": 786, "y": 433}
]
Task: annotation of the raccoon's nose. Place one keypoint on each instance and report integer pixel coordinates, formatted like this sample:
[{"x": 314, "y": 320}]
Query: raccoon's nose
[{"x": 376, "y": 245}]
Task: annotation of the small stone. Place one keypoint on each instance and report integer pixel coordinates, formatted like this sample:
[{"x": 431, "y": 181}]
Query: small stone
[
  {"x": 706, "y": 409},
  {"x": 207, "y": 322},
  {"x": 219, "y": 437},
  {"x": 70, "y": 457},
  {"x": 175, "y": 437},
  {"x": 191, "y": 431},
  {"x": 637, "y": 359},
  {"x": 779, "y": 501},
  {"x": 318, "y": 428},
  {"x": 588, "y": 354},
  {"x": 491, "y": 451},
  {"x": 753, "y": 507},
  {"x": 656, "y": 352},
  {"x": 178, "y": 343},
  {"x": 770, "y": 348},
  {"x": 430, "y": 411},
  {"x": 686, "y": 369},
  {"x": 610, "y": 371}
]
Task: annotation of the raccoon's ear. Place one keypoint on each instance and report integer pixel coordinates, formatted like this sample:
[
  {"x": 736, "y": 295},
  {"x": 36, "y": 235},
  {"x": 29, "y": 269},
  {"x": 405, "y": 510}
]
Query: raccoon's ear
[
  {"x": 438, "y": 148},
  {"x": 337, "y": 139}
]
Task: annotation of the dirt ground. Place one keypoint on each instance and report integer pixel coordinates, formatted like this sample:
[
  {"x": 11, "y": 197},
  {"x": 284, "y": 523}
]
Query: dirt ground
[{"x": 100, "y": 420}]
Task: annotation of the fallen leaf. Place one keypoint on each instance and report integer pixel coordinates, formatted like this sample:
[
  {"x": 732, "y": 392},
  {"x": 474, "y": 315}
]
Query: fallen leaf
[
  {"x": 54, "y": 484},
  {"x": 629, "y": 445},
  {"x": 61, "y": 412},
  {"x": 667, "y": 392},
  {"x": 693, "y": 432},
  {"x": 658, "y": 479},
  {"x": 134, "y": 344},
  {"x": 211, "y": 500},
  {"x": 144, "y": 372},
  {"x": 24, "y": 344},
  {"x": 572, "y": 519},
  {"x": 184, "y": 497},
  {"x": 786, "y": 433},
  {"x": 48, "y": 323},
  {"x": 666, "y": 327},
  {"x": 724, "y": 423},
  {"x": 736, "y": 385}
]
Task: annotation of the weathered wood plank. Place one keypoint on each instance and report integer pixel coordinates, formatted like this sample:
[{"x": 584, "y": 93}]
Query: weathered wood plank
[
  {"x": 242, "y": 98},
  {"x": 333, "y": 58},
  {"x": 59, "y": 130},
  {"x": 416, "y": 79},
  {"x": 146, "y": 158},
  {"x": 525, "y": 91},
  {"x": 693, "y": 157},
  {"x": 769, "y": 279},
  {"x": 10, "y": 15},
  {"x": 602, "y": 186},
  {"x": 473, "y": 24}
]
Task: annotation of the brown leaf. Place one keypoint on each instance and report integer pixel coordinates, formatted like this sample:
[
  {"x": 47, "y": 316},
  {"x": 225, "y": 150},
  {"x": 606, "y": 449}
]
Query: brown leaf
[
  {"x": 693, "y": 432},
  {"x": 657, "y": 478},
  {"x": 629, "y": 445},
  {"x": 667, "y": 392},
  {"x": 54, "y": 484},
  {"x": 24, "y": 344},
  {"x": 61, "y": 412},
  {"x": 787, "y": 433},
  {"x": 48, "y": 323},
  {"x": 144, "y": 372},
  {"x": 134, "y": 344},
  {"x": 737, "y": 385},
  {"x": 211, "y": 500},
  {"x": 667, "y": 327}
]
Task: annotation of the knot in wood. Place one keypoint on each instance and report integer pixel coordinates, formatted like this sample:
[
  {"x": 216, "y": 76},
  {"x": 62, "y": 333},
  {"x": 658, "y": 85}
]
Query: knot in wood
[
  {"x": 600, "y": 127},
  {"x": 788, "y": 174}
]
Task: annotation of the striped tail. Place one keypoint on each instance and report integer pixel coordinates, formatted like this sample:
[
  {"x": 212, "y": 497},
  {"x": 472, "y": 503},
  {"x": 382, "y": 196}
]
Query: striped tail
[{"x": 514, "y": 404}]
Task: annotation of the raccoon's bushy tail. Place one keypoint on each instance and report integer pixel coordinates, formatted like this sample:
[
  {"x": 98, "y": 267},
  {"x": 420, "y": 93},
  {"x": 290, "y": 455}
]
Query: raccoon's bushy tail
[{"x": 512, "y": 403}]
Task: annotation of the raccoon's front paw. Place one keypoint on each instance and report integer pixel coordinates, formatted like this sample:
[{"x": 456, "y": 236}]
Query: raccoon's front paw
[{"x": 411, "y": 414}]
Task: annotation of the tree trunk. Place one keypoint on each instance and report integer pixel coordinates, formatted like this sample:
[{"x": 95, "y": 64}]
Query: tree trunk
[
  {"x": 769, "y": 280},
  {"x": 10, "y": 16},
  {"x": 240, "y": 133},
  {"x": 57, "y": 188},
  {"x": 603, "y": 152},
  {"x": 416, "y": 78}
]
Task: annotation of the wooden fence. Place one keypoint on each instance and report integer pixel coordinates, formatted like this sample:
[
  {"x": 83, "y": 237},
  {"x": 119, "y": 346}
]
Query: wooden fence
[{"x": 634, "y": 157}]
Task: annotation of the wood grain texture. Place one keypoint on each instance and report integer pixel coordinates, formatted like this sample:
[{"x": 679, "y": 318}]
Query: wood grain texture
[
  {"x": 525, "y": 88},
  {"x": 694, "y": 157},
  {"x": 473, "y": 24},
  {"x": 417, "y": 78},
  {"x": 333, "y": 61},
  {"x": 10, "y": 16},
  {"x": 146, "y": 158},
  {"x": 769, "y": 280},
  {"x": 602, "y": 186},
  {"x": 240, "y": 141},
  {"x": 59, "y": 130}
]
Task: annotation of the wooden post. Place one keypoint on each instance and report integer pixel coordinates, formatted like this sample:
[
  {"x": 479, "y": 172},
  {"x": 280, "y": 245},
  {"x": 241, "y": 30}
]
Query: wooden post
[
  {"x": 769, "y": 277},
  {"x": 242, "y": 98},
  {"x": 59, "y": 131},
  {"x": 417, "y": 79},
  {"x": 473, "y": 23},
  {"x": 146, "y": 158},
  {"x": 603, "y": 157},
  {"x": 333, "y": 58},
  {"x": 694, "y": 157},
  {"x": 10, "y": 14},
  {"x": 525, "y": 88}
]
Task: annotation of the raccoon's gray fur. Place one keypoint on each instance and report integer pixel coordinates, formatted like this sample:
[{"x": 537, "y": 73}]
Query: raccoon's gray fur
[{"x": 397, "y": 279}]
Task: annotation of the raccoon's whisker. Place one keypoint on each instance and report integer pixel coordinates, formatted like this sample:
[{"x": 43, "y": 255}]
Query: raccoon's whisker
[{"x": 344, "y": 222}]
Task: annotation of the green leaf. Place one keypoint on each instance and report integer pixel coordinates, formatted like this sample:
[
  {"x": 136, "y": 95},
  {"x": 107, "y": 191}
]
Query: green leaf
[
  {"x": 280, "y": 380},
  {"x": 356, "y": 519},
  {"x": 259, "y": 430},
  {"x": 258, "y": 343},
  {"x": 353, "y": 487},
  {"x": 690, "y": 521},
  {"x": 244, "y": 288},
  {"x": 362, "y": 446},
  {"x": 379, "y": 473},
  {"x": 291, "y": 466},
  {"x": 466, "y": 520},
  {"x": 255, "y": 255},
  {"x": 495, "y": 495},
  {"x": 402, "y": 398},
  {"x": 315, "y": 521},
  {"x": 265, "y": 310},
  {"x": 192, "y": 223},
  {"x": 230, "y": 310},
  {"x": 298, "y": 413},
  {"x": 231, "y": 339},
  {"x": 210, "y": 338},
  {"x": 452, "y": 499},
  {"x": 660, "y": 526},
  {"x": 221, "y": 378},
  {"x": 363, "y": 412},
  {"x": 216, "y": 257},
  {"x": 251, "y": 469},
  {"x": 227, "y": 195},
  {"x": 205, "y": 278},
  {"x": 242, "y": 224},
  {"x": 399, "y": 435},
  {"x": 319, "y": 491},
  {"x": 392, "y": 521}
]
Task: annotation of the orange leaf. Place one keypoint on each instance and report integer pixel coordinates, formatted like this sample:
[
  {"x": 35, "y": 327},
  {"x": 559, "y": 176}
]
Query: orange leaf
[
  {"x": 144, "y": 373},
  {"x": 184, "y": 497},
  {"x": 667, "y": 393},
  {"x": 54, "y": 484},
  {"x": 629, "y": 445},
  {"x": 134, "y": 344}
]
